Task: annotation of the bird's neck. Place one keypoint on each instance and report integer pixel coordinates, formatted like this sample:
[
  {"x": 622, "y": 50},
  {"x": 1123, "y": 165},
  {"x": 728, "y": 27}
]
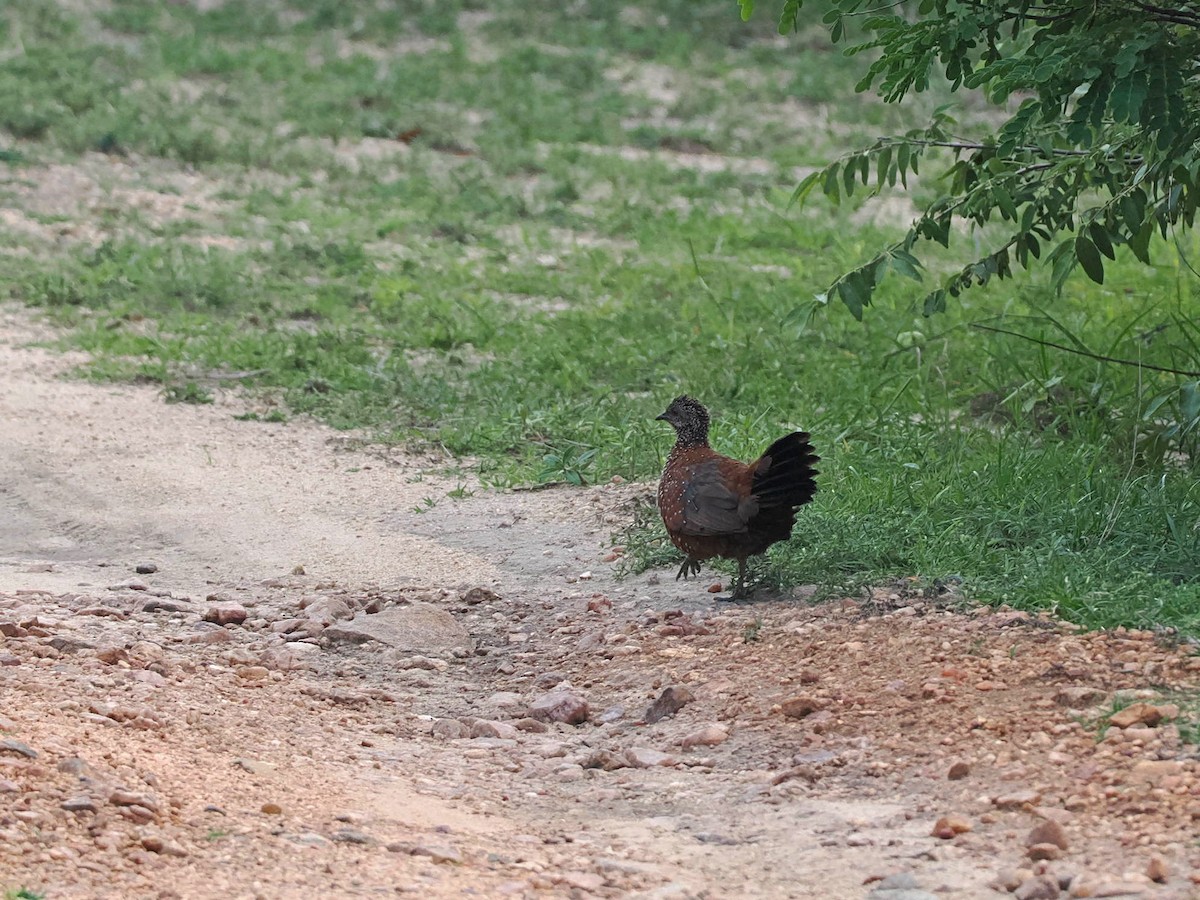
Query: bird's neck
[{"x": 690, "y": 439}]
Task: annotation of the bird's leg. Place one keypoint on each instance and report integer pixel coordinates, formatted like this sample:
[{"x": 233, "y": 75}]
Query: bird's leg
[
  {"x": 739, "y": 589},
  {"x": 690, "y": 567}
]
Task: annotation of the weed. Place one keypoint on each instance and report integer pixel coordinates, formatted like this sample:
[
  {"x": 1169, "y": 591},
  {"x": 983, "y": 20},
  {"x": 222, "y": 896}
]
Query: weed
[
  {"x": 571, "y": 465},
  {"x": 275, "y": 415},
  {"x": 187, "y": 392}
]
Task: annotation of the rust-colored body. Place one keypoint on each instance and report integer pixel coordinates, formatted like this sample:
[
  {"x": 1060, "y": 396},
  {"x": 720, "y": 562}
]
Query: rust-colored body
[{"x": 716, "y": 506}]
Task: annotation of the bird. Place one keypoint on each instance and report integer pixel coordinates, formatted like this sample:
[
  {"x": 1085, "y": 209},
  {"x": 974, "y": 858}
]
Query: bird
[{"x": 716, "y": 506}]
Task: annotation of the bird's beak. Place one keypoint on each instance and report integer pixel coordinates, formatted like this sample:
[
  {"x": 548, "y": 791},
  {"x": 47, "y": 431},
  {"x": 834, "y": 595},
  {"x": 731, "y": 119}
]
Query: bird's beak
[{"x": 662, "y": 418}]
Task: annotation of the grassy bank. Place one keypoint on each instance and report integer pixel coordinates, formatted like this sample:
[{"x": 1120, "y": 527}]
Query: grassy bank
[{"x": 518, "y": 235}]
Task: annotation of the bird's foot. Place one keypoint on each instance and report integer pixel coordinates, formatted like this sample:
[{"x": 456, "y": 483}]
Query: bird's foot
[{"x": 689, "y": 568}]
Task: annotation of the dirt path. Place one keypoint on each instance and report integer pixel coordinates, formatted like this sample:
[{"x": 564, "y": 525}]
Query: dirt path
[{"x": 149, "y": 753}]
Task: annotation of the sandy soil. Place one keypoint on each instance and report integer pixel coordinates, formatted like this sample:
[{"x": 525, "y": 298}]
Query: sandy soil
[{"x": 276, "y": 751}]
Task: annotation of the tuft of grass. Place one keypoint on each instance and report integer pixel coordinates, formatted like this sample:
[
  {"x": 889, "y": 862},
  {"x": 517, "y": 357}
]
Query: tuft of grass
[
  {"x": 517, "y": 234},
  {"x": 187, "y": 392}
]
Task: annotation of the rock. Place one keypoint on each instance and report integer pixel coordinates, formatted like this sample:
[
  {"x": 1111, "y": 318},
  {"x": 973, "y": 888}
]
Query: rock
[
  {"x": 487, "y": 728},
  {"x": 1139, "y": 714},
  {"x": 122, "y": 797},
  {"x": 560, "y": 706},
  {"x": 590, "y": 641},
  {"x": 584, "y": 881},
  {"x": 1157, "y": 870},
  {"x": 450, "y": 729},
  {"x": 145, "y": 568},
  {"x": 17, "y": 748},
  {"x": 328, "y": 610},
  {"x": 226, "y": 613},
  {"x": 272, "y": 809},
  {"x": 606, "y": 760},
  {"x": 1104, "y": 887},
  {"x": 1040, "y": 887},
  {"x": 425, "y": 663},
  {"x": 1048, "y": 832},
  {"x": 548, "y": 680},
  {"x": 669, "y": 702},
  {"x": 209, "y": 633},
  {"x": 801, "y": 706},
  {"x": 350, "y": 836},
  {"x": 73, "y": 765},
  {"x": 1011, "y": 879},
  {"x": 958, "y": 771},
  {"x": 646, "y": 758},
  {"x": 1078, "y": 696},
  {"x": 421, "y": 627},
  {"x": 161, "y": 604},
  {"x": 439, "y": 853},
  {"x": 1152, "y": 771},
  {"x": 1017, "y": 800},
  {"x": 137, "y": 813},
  {"x": 285, "y": 659},
  {"x": 477, "y": 595},
  {"x": 899, "y": 881},
  {"x": 612, "y": 714},
  {"x": 1043, "y": 851},
  {"x": 708, "y": 736},
  {"x": 900, "y": 886},
  {"x": 253, "y": 673},
  {"x": 79, "y": 804},
  {"x": 949, "y": 826}
]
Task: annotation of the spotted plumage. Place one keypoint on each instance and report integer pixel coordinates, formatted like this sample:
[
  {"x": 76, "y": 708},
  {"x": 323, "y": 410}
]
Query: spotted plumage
[{"x": 716, "y": 506}]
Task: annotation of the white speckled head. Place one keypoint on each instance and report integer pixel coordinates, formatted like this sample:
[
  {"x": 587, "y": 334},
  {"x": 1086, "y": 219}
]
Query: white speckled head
[{"x": 689, "y": 418}]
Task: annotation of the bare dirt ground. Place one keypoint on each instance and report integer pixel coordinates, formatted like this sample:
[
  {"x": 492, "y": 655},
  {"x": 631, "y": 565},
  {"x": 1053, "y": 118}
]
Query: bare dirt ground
[{"x": 226, "y": 725}]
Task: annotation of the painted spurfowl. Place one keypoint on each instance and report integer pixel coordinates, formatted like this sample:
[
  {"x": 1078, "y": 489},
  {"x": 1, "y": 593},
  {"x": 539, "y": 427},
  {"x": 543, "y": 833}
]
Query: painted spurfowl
[{"x": 716, "y": 506}]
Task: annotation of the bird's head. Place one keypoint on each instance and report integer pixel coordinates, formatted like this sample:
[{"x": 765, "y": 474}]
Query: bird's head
[{"x": 689, "y": 418}]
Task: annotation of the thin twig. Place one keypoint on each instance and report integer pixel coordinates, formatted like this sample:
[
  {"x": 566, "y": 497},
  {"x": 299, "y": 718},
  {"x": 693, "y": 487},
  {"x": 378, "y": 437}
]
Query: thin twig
[{"x": 1088, "y": 353}]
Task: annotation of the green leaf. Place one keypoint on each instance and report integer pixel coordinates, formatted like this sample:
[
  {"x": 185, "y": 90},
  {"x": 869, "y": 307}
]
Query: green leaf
[
  {"x": 1100, "y": 238},
  {"x": 1089, "y": 258},
  {"x": 1005, "y": 201},
  {"x": 789, "y": 15},
  {"x": 804, "y": 188},
  {"x": 935, "y": 302},
  {"x": 905, "y": 264},
  {"x": 1128, "y": 96},
  {"x": 1064, "y": 262},
  {"x": 883, "y": 164},
  {"x": 832, "y": 191},
  {"x": 855, "y": 291},
  {"x": 1189, "y": 401},
  {"x": 747, "y": 7},
  {"x": 1139, "y": 242}
]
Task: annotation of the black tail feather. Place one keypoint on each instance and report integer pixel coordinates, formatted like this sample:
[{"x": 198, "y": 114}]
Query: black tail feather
[{"x": 785, "y": 474}]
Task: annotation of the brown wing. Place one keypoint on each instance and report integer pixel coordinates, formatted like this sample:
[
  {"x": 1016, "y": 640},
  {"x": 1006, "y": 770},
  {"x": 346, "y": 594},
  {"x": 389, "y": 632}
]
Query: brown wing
[{"x": 711, "y": 502}]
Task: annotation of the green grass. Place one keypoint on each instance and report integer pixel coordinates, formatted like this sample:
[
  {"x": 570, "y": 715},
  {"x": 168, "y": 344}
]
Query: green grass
[{"x": 468, "y": 226}]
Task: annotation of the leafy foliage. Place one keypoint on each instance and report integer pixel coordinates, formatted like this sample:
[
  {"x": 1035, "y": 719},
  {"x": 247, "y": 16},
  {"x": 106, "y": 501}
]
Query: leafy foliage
[{"x": 1101, "y": 152}]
